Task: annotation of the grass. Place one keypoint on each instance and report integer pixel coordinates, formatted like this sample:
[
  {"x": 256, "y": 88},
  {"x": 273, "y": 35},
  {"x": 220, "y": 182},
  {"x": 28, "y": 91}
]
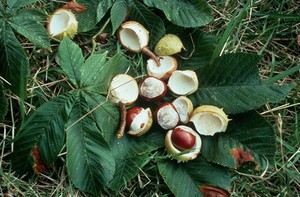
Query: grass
[{"x": 269, "y": 28}]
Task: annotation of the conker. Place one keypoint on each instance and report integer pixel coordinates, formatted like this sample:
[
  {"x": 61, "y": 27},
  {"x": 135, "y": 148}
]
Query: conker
[{"x": 183, "y": 140}]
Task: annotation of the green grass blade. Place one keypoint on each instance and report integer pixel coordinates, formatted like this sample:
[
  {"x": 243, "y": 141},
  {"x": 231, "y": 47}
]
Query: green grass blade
[
  {"x": 282, "y": 75},
  {"x": 237, "y": 17}
]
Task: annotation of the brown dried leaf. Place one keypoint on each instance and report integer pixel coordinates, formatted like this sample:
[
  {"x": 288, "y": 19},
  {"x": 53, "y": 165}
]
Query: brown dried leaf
[
  {"x": 39, "y": 166},
  {"x": 211, "y": 191},
  {"x": 74, "y": 6},
  {"x": 241, "y": 156},
  {"x": 298, "y": 39}
]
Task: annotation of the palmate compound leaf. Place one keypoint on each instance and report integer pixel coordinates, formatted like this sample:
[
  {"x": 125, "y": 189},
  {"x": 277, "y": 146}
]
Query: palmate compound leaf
[
  {"x": 232, "y": 83},
  {"x": 132, "y": 153},
  {"x": 31, "y": 28},
  {"x": 93, "y": 77},
  {"x": 185, "y": 179},
  {"x": 154, "y": 24},
  {"x": 44, "y": 129},
  {"x": 90, "y": 162},
  {"x": 15, "y": 70},
  {"x": 93, "y": 119},
  {"x": 249, "y": 138},
  {"x": 188, "y": 13},
  {"x": 26, "y": 22}
]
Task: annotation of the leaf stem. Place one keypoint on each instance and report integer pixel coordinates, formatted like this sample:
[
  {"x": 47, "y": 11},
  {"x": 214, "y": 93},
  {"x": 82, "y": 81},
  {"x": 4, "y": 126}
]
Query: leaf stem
[
  {"x": 102, "y": 28},
  {"x": 123, "y": 112},
  {"x": 98, "y": 33},
  {"x": 150, "y": 54}
]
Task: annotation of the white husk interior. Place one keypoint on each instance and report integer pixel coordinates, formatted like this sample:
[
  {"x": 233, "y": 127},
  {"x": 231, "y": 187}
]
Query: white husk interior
[
  {"x": 134, "y": 36},
  {"x": 182, "y": 109},
  {"x": 193, "y": 152},
  {"x": 208, "y": 123},
  {"x": 60, "y": 21},
  {"x": 152, "y": 87},
  {"x": 166, "y": 65},
  {"x": 140, "y": 121},
  {"x": 183, "y": 82},
  {"x": 123, "y": 88},
  {"x": 167, "y": 117}
]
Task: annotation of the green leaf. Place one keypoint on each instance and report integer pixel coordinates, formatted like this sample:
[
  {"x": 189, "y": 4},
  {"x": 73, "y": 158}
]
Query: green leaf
[
  {"x": 95, "y": 10},
  {"x": 16, "y": 4},
  {"x": 118, "y": 13},
  {"x": 178, "y": 179},
  {"x": 102, "y": 8},
  {"x": 32, "y": 14},
  {"x": 3, "y": 103},
  {"x": 153, "y": 23},
  {"x": 118, "y": 64},
  {"x": 132, "y": 153},
  {"x": 1, "y": 10},
  {"x": 44, "y": 128},
  {"x": 70, "y": 59},
  {"x": 199, "y": 46},
  {"x": 105, "y": 114},
  {"x": 90, "y": 162},
  {"x": 185, "y": 179},
  {"x": 14, "y": 70},
  {"x": 240, "y": 98},
  {"x": 87, "y": 20},
  {"x": 102, "y": 74},
  {"x": 249, "y": 138},
  {"x": 32, "y": 30},
  {"x": 127, "y": 169},
  {"x": 188, "y": 13},
  {"x": 234, "y": 68},
  {"x": 232, "y": 82},
  {"x": 91, "y": 69}
]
